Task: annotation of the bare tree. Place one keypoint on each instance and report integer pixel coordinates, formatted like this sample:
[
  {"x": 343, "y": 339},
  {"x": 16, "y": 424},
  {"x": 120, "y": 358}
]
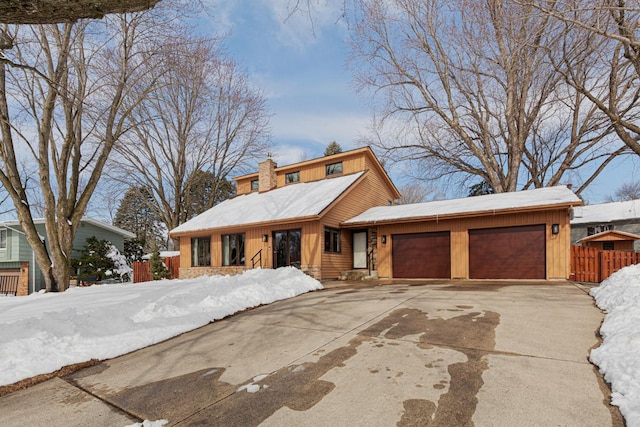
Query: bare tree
[
  {"x": 469, "y": 88},
  {"x": 203, "y": 116},
  {"x": 65, "y": 99},
  {"x": 604, "y": 34},
  {"x": 417, "y": 192}
]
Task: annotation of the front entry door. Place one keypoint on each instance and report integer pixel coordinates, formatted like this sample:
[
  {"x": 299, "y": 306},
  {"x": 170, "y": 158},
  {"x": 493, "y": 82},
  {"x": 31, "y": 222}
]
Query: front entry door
[
  {"x": 286, "y": 248},
  {"x": 360, "y": 249}
]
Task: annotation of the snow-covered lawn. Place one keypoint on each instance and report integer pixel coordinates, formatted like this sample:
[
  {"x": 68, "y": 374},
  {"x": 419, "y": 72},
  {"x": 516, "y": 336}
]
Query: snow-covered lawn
[
  {"x": 42, "y": 333},
  {"x": 618, "y": 357}
]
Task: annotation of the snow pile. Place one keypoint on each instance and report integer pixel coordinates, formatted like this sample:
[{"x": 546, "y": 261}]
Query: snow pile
[
  {"x": 42, "y": 333},
  {"x": 618, "y": 357}
]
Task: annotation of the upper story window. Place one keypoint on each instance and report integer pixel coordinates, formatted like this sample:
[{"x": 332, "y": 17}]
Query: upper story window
[
  {"x": 292, "y": 177},
  {"x": 334, "y": 168},
  {"x": 598, "y": 229},
  {"x": 3, "y": 239},
  {"x": 255, "y": 185}
]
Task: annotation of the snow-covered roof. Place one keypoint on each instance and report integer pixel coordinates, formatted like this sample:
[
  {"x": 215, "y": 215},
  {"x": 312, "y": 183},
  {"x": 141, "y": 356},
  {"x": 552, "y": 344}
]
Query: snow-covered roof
[
  {"x": 606, "y": 212},
  {"x": 550, "y": 196},
  {"x": 292, "y": 201},
  {"x": 124, "y": 233}
]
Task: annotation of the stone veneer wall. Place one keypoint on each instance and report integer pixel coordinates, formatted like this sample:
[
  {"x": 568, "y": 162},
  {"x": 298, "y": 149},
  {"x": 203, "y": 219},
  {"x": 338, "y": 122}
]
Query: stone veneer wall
[
  {"x": 312, "y": 270},
  {"x": 267, "y": 179},
  {"x": 23, "y": 282},
  {"x": 193, "y": 272}
]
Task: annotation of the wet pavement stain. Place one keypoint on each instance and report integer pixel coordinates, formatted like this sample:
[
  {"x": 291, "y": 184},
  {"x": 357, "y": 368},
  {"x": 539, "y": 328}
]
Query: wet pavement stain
[
  {"x": 174, "y": 398},
  {"x": 417, "y": 413},
  {"x": 298, "y": 388},
  {"x": 472, "y": 334}
]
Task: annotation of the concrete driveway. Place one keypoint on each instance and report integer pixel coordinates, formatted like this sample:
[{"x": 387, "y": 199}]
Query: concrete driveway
[{"x": 405, "y": 355}]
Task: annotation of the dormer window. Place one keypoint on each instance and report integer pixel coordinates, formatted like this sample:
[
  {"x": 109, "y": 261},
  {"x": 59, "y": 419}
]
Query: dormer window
[
  {"x": 292, "y": 177},
  {"x": 255, "y": 185},
  {"x": 334, "y": 168}
]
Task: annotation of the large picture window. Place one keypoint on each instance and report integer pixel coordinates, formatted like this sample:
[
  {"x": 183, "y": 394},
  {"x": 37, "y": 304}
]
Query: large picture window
[
  {"x": 3, "y": 239},
  {"x": 201, "y": 252},
  {"x": 233, "y": 249},
  {"x": 332, "y": 240}
]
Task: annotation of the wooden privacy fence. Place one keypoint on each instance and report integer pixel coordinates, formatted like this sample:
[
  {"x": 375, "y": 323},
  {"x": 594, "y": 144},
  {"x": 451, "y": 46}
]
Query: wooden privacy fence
[
  {"x": 142, "y": 271},
  {"x": 594, "y": 265}
]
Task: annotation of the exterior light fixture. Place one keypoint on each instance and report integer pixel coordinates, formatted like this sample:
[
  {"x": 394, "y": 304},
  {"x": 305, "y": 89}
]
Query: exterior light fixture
[
  {"x": 265, "y": 238},
  {"x": 555, "y": 228},
  {"x": 384, "y": 239}
]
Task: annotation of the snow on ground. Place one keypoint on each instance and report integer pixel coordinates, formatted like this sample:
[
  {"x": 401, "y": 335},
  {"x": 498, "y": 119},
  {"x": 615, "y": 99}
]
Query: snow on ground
[
  {"x": 42, "y": 333},
  {"x": 618, "y": 357}
]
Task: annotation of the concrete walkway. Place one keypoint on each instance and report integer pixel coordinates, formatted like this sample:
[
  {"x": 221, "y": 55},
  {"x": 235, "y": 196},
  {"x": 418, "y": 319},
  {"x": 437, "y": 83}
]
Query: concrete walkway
[{"x": 406, "y": 355}]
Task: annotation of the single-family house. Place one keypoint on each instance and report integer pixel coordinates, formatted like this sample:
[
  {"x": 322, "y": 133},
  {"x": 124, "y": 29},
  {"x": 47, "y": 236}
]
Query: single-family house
[
  {"x": 17, "y": 258},
  {"x": 333, "y": 214},
  {"x": 590, "y": 220}
]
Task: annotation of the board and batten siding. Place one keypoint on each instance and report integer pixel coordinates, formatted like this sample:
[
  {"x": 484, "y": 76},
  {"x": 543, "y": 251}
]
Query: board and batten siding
[
  {"x": 557, "y": 246},
  {"x": 371, "y": 191}
]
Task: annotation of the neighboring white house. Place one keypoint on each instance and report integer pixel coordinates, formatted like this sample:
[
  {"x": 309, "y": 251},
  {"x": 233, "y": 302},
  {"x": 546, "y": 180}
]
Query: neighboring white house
[{"x": 593, "y": 219}]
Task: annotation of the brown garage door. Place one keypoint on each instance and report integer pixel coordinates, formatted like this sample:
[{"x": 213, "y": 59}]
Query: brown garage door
[
  {"x": 507, "y": 253},
  {"x": 422, "y": 255}
]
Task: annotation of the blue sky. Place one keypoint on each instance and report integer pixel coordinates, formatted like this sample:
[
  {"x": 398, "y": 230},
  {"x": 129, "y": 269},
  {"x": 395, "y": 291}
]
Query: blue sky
[{"x": 302, "y": 69}]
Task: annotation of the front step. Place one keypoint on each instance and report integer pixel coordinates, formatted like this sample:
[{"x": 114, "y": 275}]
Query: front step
[{"x": 357, "y": 275}]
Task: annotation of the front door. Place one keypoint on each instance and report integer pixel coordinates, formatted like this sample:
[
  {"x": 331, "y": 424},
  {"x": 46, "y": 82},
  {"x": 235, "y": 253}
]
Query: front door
[
  {"x": 360, "y": 249},
  {"x": 286, "y": 248}
]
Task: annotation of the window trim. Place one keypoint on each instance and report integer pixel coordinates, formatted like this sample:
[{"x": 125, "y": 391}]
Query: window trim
[
  {"x": 328, "y": 168},
  {"x": 240, "y": 257},
  {"x": 195, "y": 255},
  {"x": 257, "y": 187},
  {"x": 6, "y": 237},
  {"x": 330, "y": 247},
  {"x": 295, "y": 174}
]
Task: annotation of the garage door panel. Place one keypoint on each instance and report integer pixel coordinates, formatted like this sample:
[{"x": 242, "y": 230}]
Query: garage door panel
[
  {"x": 422, "y": 255},
  {"x": 508, "y": 253}
]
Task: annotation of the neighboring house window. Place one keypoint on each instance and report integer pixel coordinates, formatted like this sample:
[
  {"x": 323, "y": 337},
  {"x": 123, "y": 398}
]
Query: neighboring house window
[
  {"x": 332, "y": 240},
  {"x": 595, "y": 229},
  {"x": 334, "y": 168},
  {"x": 201, "y": 252},
  {"x": 607, "y": 246},
  {"x": 255, "y": 185},
  {"x": 233, "y": 249},
  {"x": 292, "y": 177},
  {"x": 3, "y": 239}
]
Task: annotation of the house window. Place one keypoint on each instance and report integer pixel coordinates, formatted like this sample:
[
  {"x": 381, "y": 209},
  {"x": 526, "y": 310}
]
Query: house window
[
  {"x": 233, "y": 249},
  {"x": 334, "y": 168},
  {"x": 292, "y": 177},
  {"x": 332, "y": 240},
  {"x": 595, "y": 229},
  {"x": 255, "y": 185},
  {"x": 3, "y": 239},
  {"x": 201, "y": 252}
]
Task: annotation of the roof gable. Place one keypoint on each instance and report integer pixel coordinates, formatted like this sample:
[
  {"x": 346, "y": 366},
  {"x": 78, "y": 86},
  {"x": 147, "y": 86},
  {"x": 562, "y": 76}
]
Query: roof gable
[
  {"x": 610, "y": 236},
  {"x": 559, "y": 196},
  {"x": 302, "y": 200}
]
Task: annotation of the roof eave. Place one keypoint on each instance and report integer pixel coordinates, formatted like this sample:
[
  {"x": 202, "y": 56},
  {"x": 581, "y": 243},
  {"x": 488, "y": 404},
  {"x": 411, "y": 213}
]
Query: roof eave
[
  {"x": 460, "y": 215},
  {"x": 212, "y": 230}
]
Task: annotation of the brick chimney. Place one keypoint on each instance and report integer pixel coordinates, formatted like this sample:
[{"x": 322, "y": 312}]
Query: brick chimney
[{"x": 267, "y": 175}]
